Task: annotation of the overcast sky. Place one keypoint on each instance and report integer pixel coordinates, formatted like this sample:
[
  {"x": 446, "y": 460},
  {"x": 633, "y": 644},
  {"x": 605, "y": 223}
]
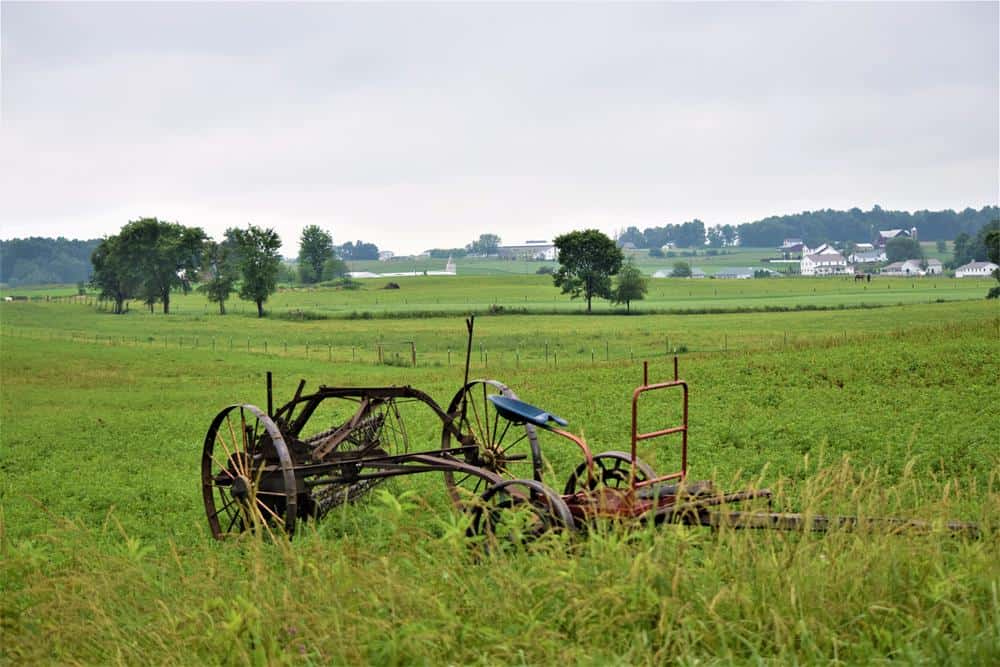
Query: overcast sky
[{"x": 424, "y": 125}]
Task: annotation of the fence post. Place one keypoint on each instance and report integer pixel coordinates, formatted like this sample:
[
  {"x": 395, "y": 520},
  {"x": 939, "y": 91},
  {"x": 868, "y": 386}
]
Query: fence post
[{"x": 265, "y": 347}]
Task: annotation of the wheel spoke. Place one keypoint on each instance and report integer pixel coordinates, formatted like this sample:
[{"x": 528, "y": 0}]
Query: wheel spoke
[
  {"x": 232, "y": 521},
  {"x": 232, "y": 432},
  {"x": 270, "y": 511},
  {"x": 222, "y": 441},
  {"x": 224, "y": 468},
  {"x": 486, "y": 411},
  {"x": 520, "y": 438},
  {"x": 222, "y": 509},
  {"x": 475, "y": 413}
]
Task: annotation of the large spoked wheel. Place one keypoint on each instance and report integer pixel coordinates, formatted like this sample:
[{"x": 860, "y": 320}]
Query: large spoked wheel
[
  {"x": 247, "y": 478},
  {"x": 517, "y": 511},
  {"x": 493, "y": 443},
  {"x": 611, "y": 471}
]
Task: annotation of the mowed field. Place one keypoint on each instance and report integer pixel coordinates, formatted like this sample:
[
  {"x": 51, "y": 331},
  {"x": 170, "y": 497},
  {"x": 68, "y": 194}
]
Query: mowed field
[{"x": 881, "y": 411}]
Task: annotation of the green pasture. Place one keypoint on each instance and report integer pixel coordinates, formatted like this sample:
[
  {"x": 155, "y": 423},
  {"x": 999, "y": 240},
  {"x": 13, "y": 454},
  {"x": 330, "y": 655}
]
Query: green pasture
[
  {"x": 105, "y": 555},
  {"x": 502, "y": 340},
  {"x": 436, "y": 295}
]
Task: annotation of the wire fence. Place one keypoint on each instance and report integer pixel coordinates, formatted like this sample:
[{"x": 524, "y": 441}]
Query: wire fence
[{"x": 541, "y": 354}]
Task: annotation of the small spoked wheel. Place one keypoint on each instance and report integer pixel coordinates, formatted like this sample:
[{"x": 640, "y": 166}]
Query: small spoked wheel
[
  {"x": 612, "y": 470},
  {"x": 247, "y": 479},
  {"x": 491, "y": 442},
  {"x": 517, "y": 511}
]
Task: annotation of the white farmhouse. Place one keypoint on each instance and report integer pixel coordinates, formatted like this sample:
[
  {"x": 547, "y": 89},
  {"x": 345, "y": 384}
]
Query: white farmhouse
[
  {"x": 828, "y": 262},
  {"x": 976, "y": 270},
  {"x": 934, "y": 267}
]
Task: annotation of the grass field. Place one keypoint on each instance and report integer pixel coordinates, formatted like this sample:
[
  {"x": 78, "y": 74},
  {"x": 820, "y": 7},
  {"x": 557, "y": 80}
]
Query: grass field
[{"x": 891, "y": 411}]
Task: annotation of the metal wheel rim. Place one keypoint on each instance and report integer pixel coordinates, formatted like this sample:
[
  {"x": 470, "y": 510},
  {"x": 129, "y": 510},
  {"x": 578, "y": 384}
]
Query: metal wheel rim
[
  {"x": 460, "y": 495},
  {"x": 240, "y": 515}
]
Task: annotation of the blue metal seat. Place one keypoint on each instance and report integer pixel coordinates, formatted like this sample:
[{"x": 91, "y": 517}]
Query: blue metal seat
[{"x": 520, "y": 412}]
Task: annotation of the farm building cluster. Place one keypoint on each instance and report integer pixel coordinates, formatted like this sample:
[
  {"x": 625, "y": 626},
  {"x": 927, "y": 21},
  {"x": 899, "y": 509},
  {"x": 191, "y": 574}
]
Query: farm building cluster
[{"x": 826, "y": 260}]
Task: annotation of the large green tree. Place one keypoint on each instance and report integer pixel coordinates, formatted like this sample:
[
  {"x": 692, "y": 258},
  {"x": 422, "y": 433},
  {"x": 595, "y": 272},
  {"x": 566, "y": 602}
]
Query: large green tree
[
  {"x": 259, "y": 261},
  {"x": 902, "y": 248},
  {"x": 115, "y": 272},
  {"x": 219, "y": 272},
  {"x": 992, "y": 242},
  {"x": 974, "y": 248},
  {"x": 630, "y": 285},
  {"x": 681, "y": 270},
  {"x": 587, "y": 260},
  {"x": 315, "y": 247},
  {"x": 166, "y": 254}
]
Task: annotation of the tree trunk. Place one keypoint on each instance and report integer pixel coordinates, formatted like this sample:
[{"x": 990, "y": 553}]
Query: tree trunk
[
  {"x": 628, "y": 306},
  {"x": 222, "y": 307},
  {"x": 119, "y": 305},
  {"x": 260, "y": 308},
  {"x": 165, "y": 295}
]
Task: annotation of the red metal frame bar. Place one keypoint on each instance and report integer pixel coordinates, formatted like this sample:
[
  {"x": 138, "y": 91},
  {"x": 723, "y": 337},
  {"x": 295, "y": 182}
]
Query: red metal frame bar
[{"x": 682, "y": 429}]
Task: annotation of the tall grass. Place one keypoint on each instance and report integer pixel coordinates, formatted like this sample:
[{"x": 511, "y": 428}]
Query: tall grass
[{"x": 384, "y": 583}]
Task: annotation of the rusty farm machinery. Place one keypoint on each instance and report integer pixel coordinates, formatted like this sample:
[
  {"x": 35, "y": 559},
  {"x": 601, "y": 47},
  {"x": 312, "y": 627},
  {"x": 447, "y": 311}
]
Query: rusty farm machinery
[{"x": 273, "y": 469}]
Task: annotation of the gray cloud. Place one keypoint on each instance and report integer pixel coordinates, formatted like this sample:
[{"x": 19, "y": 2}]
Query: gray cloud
[{"x": 424, "y": 125}]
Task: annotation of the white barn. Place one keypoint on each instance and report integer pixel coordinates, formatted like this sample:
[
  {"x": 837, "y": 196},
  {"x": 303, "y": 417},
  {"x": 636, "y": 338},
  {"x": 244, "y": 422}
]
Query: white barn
[
  {"x": 976, "y": 270},
  {"x": 533, "y": 250}
]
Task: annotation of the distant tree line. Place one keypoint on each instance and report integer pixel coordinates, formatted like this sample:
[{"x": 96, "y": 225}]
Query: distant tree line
[
  {"x": 685, "y": 235},
  {"x": 39, "y": 261},
  {"x": 148, "y": 259},
  {"x": 485, "y": 245},
  {"x": 826, "y": 226}
]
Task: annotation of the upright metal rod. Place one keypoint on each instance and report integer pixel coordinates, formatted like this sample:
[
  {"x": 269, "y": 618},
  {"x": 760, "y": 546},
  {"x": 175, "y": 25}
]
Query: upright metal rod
[
  {"x": 470, "y": 323},
  {"x": 270, "y": 397}
]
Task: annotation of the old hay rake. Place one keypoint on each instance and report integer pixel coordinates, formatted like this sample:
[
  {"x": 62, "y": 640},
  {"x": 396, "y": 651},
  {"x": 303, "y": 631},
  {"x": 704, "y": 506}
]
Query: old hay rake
[{"x": 272, "y": 469}]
